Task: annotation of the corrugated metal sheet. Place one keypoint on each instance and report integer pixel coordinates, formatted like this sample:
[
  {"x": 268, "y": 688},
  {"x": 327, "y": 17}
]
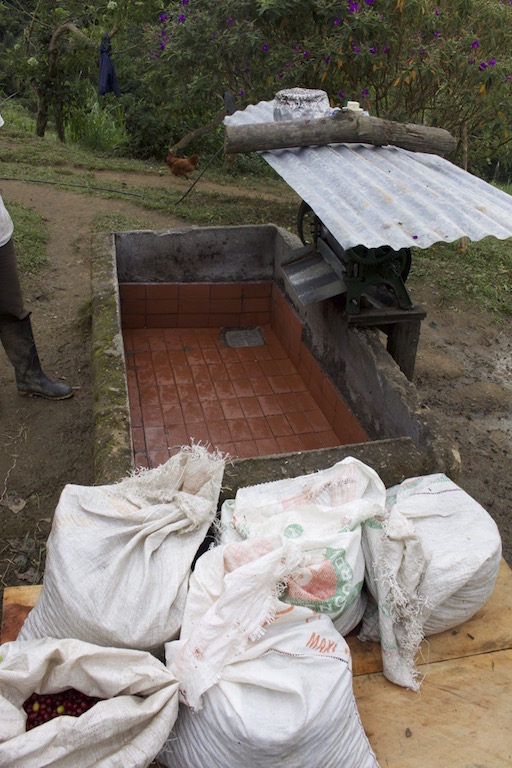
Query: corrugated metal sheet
[{"x": 375, "y": 196}]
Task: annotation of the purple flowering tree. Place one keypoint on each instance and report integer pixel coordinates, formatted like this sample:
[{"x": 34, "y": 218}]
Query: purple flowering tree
[
  {"x": 439, "y": 62},
  {"x": 443, "y": 63}
]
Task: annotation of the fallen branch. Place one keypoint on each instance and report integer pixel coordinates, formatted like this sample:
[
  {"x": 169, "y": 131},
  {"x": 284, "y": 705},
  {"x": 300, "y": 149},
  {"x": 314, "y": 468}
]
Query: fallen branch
[{"x": 342, "y": 127}]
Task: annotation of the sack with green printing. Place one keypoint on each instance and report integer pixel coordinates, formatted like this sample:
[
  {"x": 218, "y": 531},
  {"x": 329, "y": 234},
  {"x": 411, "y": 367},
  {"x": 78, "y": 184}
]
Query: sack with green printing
[
  {"x": 322, "y": 513},
  {"x": 262, "y": 682}
]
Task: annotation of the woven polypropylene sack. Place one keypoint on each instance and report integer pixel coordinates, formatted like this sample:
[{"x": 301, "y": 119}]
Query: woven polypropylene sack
[
  {"x": 262, "y": 683},
  {"x": 128, "y": 728},
  {"x": 462, "y": 546},
  {"x": 322, "y": 513},
  {"x": 119, "y": 556},
  {"x": 432, "y": 562}
]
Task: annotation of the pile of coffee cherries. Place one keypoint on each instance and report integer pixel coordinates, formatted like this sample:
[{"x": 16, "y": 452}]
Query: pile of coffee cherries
[{"x": 42, "y": 707}]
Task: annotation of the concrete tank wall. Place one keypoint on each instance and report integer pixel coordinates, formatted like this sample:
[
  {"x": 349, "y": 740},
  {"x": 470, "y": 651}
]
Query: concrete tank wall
[{"x": 405, "y": 439}]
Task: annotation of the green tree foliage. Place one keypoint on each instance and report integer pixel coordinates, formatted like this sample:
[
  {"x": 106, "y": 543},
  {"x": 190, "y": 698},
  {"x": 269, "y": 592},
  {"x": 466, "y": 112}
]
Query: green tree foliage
[
  {"x": 55, "y": 50},
  {"x": 438, "y": 62},
  {"x": 444, "y": 63}
]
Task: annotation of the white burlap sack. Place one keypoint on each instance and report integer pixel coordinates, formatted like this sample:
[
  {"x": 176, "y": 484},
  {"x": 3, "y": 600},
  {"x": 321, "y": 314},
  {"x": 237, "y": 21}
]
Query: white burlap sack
[
  {"x": 127, "y": 729},
  {"x": 119, "y": 556},
  {"x": 432, "y": 563},
  {"x": 322, "y": 513},
  {"x": 262, "y": 683}
]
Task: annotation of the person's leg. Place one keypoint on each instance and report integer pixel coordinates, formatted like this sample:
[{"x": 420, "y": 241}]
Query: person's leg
[
  {"x": 11, "y": 300},
  {"x": 16, "y": 335}
]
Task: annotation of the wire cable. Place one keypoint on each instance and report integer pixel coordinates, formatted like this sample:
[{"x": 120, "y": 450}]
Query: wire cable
[
  {"x": 72, "y": 184},
  {"x": 210, "y": 161},
  {"x": 114, "y": 191}
]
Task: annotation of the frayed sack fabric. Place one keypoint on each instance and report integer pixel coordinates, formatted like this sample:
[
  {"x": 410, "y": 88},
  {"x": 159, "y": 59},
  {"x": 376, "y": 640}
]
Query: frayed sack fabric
[
  {"x": 432, "y": 563},
  {"x": 119, "y": 556},
  {"x": 128, "y": 728},
  {"x": 322, "y": 513},
  {"x": 262, "y": 683},
  {"x": 395, "y": 567}
]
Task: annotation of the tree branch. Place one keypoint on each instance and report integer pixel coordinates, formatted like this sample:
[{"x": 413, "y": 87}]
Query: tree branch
[
  {"x": 201, "y": 131},
  {"x": 67, "y": 27}
]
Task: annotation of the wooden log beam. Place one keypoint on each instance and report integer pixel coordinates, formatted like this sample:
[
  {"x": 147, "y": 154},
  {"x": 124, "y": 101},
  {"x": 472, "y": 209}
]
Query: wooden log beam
[{"x": 342, "y": 127}]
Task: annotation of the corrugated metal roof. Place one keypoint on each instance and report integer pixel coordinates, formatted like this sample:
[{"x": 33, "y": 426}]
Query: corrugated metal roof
[{"x": 374, "y": 196}]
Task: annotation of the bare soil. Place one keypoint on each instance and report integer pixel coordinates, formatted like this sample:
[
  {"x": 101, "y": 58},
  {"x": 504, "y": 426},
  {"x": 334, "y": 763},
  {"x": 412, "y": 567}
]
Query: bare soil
[{"x": 463, "y": 374}]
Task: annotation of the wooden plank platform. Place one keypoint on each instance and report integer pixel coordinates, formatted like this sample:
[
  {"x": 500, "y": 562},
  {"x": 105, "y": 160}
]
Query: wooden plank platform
[
  {"x": 17, "y": 604},
  {"x": 489, "y": 630},
  {"x": 461, "y": 716}
]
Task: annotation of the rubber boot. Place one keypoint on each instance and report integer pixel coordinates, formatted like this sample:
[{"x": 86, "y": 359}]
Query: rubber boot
[{"x": 18, "y": 342}]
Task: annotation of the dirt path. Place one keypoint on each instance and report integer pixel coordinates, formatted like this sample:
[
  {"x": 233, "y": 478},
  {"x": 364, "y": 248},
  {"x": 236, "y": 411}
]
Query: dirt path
[
  {"x": 167, "y": 181},
  {"x": 45, "y": 445},
  {"x": 464, "y": 374}
]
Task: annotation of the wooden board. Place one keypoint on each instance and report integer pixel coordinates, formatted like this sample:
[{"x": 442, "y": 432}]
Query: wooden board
[
  {"x": 459, "y": 719},
  {"x": 17, "y": 604},
  {"x": 489, "y": 630}
]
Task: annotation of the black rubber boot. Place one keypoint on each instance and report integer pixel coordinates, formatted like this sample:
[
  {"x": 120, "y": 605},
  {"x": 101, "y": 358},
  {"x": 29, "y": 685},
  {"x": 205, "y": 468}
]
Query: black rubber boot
[{"x": 18, "y": 342}]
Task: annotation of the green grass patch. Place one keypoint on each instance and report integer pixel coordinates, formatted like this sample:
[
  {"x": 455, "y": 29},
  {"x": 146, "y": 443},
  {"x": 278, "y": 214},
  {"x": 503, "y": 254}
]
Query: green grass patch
[
  {"x": 118, "y": 222},
  {"x": 17, "y": 120},
  {"x": 479, "y": 276},
  {"x": 30, "y": 150},
  {"x": 217, "y": 209},
  {"x": 30, "y": 237}
]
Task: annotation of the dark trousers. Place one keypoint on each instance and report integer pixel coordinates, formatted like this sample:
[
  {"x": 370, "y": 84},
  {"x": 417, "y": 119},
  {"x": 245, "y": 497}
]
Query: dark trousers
[{"x": 11, "y": 300}]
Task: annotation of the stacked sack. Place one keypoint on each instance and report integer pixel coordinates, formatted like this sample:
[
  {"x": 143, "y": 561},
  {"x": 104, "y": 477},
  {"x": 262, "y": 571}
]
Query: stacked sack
[
  {"x": 119, "y": 556},
  {"x": 265, "y": 675},
  {"x": 262, "y": 682},
  {"x": 322, "y": 513},
  {"x": 250, "y": 636},
  {"x": 432, "y": 561},
  {"x": 126, "y": 728},
  {"x": 119, "y": 559}
]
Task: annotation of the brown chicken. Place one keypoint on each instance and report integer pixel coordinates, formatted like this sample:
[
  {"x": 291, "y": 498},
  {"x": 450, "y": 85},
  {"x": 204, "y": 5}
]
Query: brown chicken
[{"x": 181, "y": 166}]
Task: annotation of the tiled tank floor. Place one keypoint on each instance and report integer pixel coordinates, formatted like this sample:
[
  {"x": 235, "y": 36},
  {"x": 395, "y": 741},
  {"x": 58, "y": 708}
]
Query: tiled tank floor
[{"x": 186, "y": 384}]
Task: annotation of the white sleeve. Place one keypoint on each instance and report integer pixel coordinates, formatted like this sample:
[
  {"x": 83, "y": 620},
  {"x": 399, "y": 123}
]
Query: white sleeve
[{"x": 6, "y": 225}]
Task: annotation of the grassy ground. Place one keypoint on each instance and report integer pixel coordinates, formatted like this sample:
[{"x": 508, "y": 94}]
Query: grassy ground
[{"x": 478, "y": 275}]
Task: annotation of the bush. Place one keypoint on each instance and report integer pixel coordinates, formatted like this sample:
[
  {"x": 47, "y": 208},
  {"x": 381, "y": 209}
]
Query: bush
[
  {"x": 15, "y": 116},
  {"x": 97, "y": 125}
]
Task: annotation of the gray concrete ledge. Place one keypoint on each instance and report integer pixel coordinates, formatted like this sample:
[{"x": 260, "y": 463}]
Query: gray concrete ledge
[
  {"x": 405, "y": 438},
  {"x": 113, "y": 450}
]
